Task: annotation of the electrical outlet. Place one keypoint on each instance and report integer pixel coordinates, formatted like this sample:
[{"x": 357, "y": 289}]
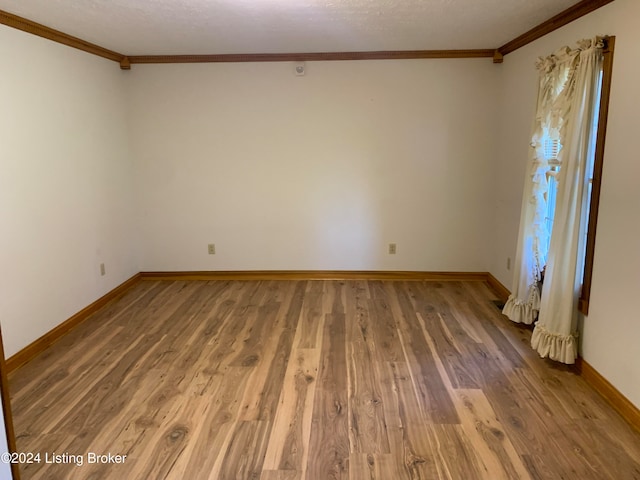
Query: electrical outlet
[
  {"x": 392, "y": 249},
  {"x": 508, "y": 263},
  {"x": 212, "y": 249},
  {"x": 103, "y": 271}
]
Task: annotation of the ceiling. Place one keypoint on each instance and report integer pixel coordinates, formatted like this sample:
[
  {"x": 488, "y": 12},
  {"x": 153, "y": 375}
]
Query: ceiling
[{"x": 191, "y": 27}]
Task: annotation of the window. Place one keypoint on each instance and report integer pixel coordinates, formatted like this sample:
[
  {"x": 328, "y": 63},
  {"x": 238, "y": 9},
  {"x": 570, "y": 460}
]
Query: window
[
  {"x": 596, "y": 179},
  {"x": 552, "y": 148}
]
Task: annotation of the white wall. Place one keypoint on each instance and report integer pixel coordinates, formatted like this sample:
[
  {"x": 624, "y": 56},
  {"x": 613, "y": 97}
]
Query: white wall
[
  {"x": 314, "y": 172},
  {"x": 611, "y": 331},
  {"x": 65, "y": 184}
]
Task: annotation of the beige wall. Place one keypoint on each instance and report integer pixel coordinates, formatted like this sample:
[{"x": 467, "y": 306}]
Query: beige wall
[
  {"x": 315, "y": 172},
  {"x": 611, "y": 331},
  {"x": 65, "y": 187}
]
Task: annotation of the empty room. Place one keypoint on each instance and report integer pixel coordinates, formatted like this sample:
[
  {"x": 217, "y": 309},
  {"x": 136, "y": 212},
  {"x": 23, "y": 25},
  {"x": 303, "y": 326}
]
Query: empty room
[{"x": 280, "y": 239}]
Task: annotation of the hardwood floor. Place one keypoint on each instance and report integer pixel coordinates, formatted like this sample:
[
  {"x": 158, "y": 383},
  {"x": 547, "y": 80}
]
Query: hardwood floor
[{"x": 278, "y": 380}]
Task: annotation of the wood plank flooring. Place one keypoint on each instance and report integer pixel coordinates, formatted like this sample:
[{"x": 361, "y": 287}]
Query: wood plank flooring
[{"x": 279, "y": 380}]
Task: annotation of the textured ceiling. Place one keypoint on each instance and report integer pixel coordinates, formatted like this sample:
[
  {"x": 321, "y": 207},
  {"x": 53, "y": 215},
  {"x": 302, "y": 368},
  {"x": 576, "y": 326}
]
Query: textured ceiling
[{"x": 175, "y": 27}]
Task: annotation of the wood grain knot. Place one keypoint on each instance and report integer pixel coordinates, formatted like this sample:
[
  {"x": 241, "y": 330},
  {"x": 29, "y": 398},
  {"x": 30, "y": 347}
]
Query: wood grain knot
[
  {"x": 414, "y": 460},
  {"x": 177, "y": 433},
  {"x": 516, "y": 422},
  {"x": 144, "y": 422},
  {"x": 250, "y": 361}
]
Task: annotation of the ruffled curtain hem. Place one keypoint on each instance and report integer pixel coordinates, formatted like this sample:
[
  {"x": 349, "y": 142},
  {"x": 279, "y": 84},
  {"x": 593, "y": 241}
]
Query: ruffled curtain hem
[
  {"x": 561, "y": 348},
  {"x": 520, "y": 311}
]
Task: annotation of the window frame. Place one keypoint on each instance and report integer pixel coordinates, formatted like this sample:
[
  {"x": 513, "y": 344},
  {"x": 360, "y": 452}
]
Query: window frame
[{"x": 607, "y": 73}]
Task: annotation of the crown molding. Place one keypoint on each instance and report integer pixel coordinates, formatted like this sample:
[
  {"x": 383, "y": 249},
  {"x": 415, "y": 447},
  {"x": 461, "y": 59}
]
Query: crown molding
[
  {"x": 572, "y": 13},
  {"x": 43, "y": 31},
  {"x": 310, "y": 56}
]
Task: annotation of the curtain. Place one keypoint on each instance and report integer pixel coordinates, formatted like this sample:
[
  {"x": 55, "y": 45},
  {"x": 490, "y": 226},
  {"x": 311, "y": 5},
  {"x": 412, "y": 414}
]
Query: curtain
[
  {"x": 565, "y": 111},
  {"x": 555, "y": 333},
  {"x": 531, "y": 255}
]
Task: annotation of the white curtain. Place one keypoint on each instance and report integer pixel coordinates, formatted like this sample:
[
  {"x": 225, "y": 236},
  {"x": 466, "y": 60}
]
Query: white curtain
[
  {"x": 555, "y": 333},
  {"x": 531, "y": 256},
  {"x": 566, "y": 109}
]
